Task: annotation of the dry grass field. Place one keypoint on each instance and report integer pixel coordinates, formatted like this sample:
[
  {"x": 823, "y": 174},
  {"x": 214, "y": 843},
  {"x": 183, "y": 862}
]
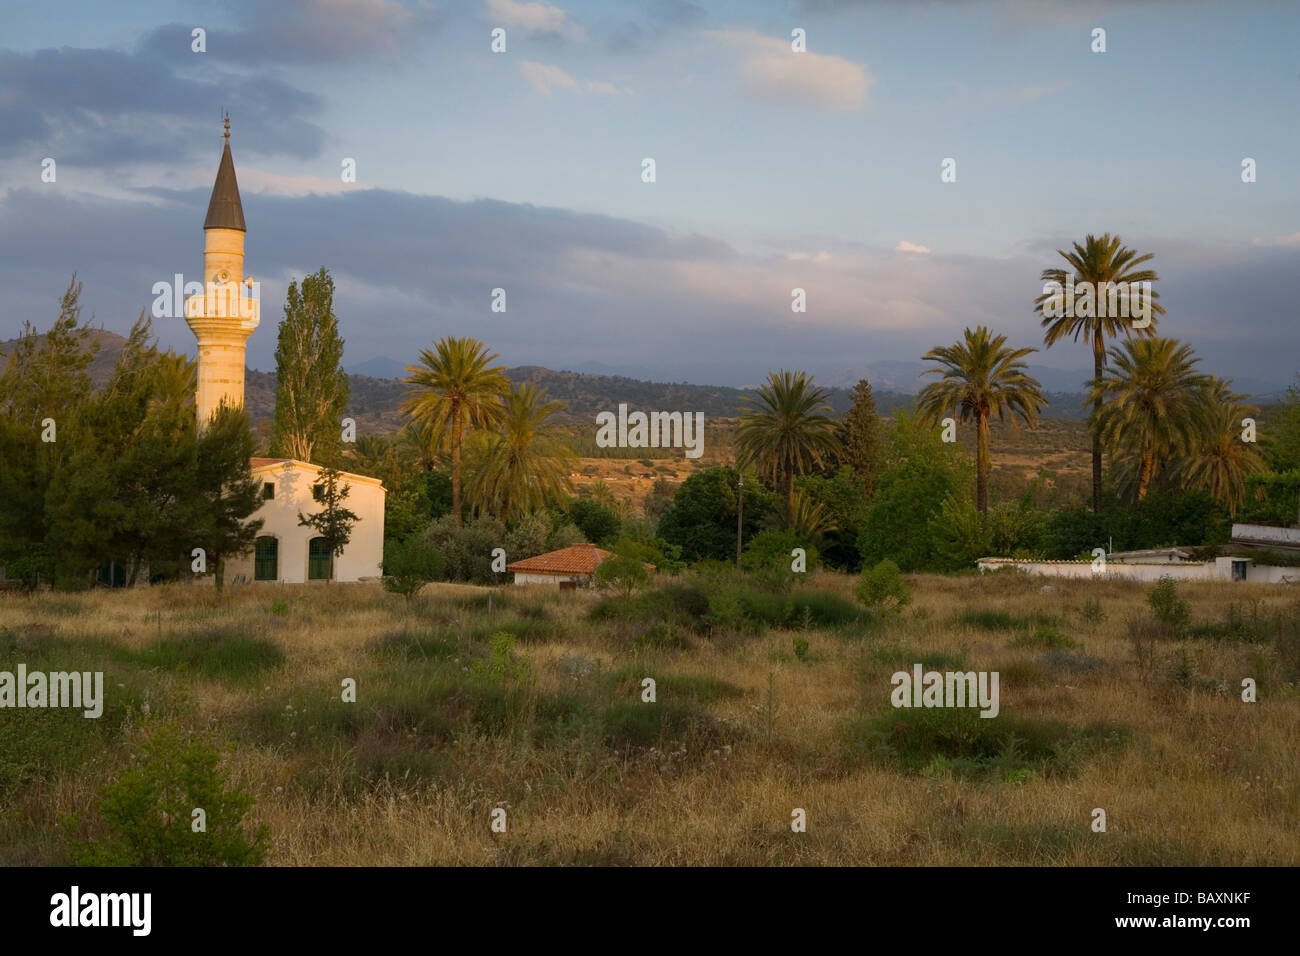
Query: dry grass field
[{"x": 1100, "y": 708}]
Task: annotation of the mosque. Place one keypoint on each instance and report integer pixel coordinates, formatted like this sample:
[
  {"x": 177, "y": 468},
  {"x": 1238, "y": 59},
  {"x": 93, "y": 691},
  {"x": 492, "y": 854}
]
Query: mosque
[{"x": 222, "y": 319}]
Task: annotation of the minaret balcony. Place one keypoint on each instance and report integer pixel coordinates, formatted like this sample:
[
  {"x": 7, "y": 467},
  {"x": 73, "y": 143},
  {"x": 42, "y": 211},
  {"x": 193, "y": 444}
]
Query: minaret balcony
[{"x": 224, "y": 301}]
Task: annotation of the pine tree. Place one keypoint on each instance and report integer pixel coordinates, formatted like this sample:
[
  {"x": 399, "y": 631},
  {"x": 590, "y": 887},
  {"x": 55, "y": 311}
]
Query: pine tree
[
  {"x": 311, "y": 391},
  {"x": 333, "y": 522},
  {"x": 226, "y": 493},
  {"x": 44, "y": 380}
]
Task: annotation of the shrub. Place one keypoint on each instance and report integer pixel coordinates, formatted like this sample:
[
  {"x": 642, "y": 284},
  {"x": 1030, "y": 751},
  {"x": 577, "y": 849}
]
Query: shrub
[
  {"x": 818, "y": 609},
  {"x": 623, "y": 573},
  {"x": 1092, "y": 613},
  {"x": 986, "y": 620},
  {"x": 770, "y": 550},
  {"x": 684, "y": 604},
  {"x": 501, "y": 669},
  {"x": 466, "y": 549},
  {"x": 1044, "y": 635},
  {"x": 882, "y": 588},
  {"x": 409, "y": 565},
  {"x": 1167, "y": 606},
  {"x": 148, "y": 811},
  {"x": 664, "y": 636},
  {"x": 528, "y": 536},
  {"x": 958, "y": 741},
  {"x": 631, "y": 723},
  {"x": 221, "y": 655}
]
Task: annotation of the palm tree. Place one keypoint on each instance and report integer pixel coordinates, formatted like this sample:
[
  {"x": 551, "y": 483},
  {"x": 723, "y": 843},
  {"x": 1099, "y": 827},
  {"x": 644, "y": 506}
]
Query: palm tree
[
  {"x": 1152, "y": 405},
  {"x": 527, "y": 463},
  {"x": 786, "y": 431},
  {"x": 1097, "y": 262},
  {"x": 982, "y": 377},
  {"x": 455, "y": 387},
  {"x": 1221, "y": 461},
  {"x": 811, "y": 518},
  {"x": 422, "y": 443}
]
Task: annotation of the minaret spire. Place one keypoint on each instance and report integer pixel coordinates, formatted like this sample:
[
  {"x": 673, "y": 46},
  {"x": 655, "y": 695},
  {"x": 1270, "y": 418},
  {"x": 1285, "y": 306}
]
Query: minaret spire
[{"x": 225, "y": 211}]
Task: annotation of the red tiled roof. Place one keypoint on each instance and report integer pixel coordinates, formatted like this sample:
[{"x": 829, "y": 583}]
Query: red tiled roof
[
  {"x": 579, "y": 559},
  {"x": 259, "y": 462}
]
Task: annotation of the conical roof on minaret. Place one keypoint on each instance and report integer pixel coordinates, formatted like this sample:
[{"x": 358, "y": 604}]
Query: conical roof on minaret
[{"x": 224, "y": 208}]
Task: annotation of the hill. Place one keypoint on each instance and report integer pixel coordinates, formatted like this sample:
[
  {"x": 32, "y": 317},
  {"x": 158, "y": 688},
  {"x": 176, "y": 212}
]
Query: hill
[{"x": 375, "y": 400}]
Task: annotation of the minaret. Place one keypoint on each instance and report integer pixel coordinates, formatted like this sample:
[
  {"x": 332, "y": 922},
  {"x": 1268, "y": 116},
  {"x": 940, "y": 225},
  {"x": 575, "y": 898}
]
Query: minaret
[{"x": 225, "y": 315}]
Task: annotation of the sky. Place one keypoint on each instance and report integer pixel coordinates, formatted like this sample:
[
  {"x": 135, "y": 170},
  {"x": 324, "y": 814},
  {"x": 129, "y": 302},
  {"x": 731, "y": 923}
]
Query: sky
[{"x": 774, "y": 170}]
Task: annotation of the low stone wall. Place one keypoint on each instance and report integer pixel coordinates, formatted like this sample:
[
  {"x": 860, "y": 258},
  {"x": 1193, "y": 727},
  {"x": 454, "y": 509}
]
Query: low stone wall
[{"x": 1191, "y": 571}]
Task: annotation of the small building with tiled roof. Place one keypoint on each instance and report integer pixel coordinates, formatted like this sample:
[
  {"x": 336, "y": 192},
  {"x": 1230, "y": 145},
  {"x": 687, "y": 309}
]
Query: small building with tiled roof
[{"x": 566, "y": 568}]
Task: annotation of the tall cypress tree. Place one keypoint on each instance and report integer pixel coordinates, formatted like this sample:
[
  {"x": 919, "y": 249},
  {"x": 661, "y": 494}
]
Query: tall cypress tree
[
  {"x": 311, "y": 391},
  {"x": 860, "y": 435}
]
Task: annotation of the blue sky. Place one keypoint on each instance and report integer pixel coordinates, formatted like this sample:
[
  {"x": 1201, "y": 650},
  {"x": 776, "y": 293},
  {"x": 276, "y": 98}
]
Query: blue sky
[{"x": 774, "y": 170}]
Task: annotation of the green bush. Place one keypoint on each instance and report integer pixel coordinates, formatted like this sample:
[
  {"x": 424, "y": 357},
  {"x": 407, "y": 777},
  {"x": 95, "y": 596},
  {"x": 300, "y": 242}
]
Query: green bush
[
  {"x": 221, "y": 655},
  {"x": 631, "y": 723},
  {"x": 818, "y": 609},
  {"x": 684, "y": 604},
  {"x": 466, "y": 549},
  {"x": 1167, "y": 606},
  {"x": 986, "y": 620},
  {"x": 409, "y": 565},
  {"x": 148, "y": 811},
  {"x": 770, "y": 550},
  {"x": 1044, "y": 635},
  {"x": 622, "y": 573},
  {"x": 958, "y": 741},
  {"x": 882, "y": 588}
]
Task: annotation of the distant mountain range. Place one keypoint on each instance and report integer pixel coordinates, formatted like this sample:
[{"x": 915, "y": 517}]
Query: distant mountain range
[
  {"x": 907, "y": 377},
  {"x": 377, "y": 391}
]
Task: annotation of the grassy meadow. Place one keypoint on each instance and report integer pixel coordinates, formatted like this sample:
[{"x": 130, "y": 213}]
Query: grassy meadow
[{"x": 470, "y": 699}]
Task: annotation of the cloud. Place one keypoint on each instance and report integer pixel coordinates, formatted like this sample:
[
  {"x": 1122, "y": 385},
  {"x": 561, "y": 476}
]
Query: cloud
[
  {"x": 539, "y": 18},
  {"x": 545, "y": 78},
  {"x": 303, "y": 31},
  {"x": 1291, "y": 240},
  {"x": 103, "y": 108},
  {"x": 905, "y": 246},
  {"x": 771, "y": 71},
  {"x": 591, "y": 288}
]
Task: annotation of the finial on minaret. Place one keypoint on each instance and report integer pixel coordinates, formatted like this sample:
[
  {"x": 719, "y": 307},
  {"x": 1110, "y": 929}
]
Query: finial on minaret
[{"x": 227, "y": 127}]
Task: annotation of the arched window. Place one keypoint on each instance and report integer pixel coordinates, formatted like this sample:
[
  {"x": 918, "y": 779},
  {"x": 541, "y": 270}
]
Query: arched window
[
  {"x": 319, "y": 560},
  {"x": 266, "y": 558}
]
